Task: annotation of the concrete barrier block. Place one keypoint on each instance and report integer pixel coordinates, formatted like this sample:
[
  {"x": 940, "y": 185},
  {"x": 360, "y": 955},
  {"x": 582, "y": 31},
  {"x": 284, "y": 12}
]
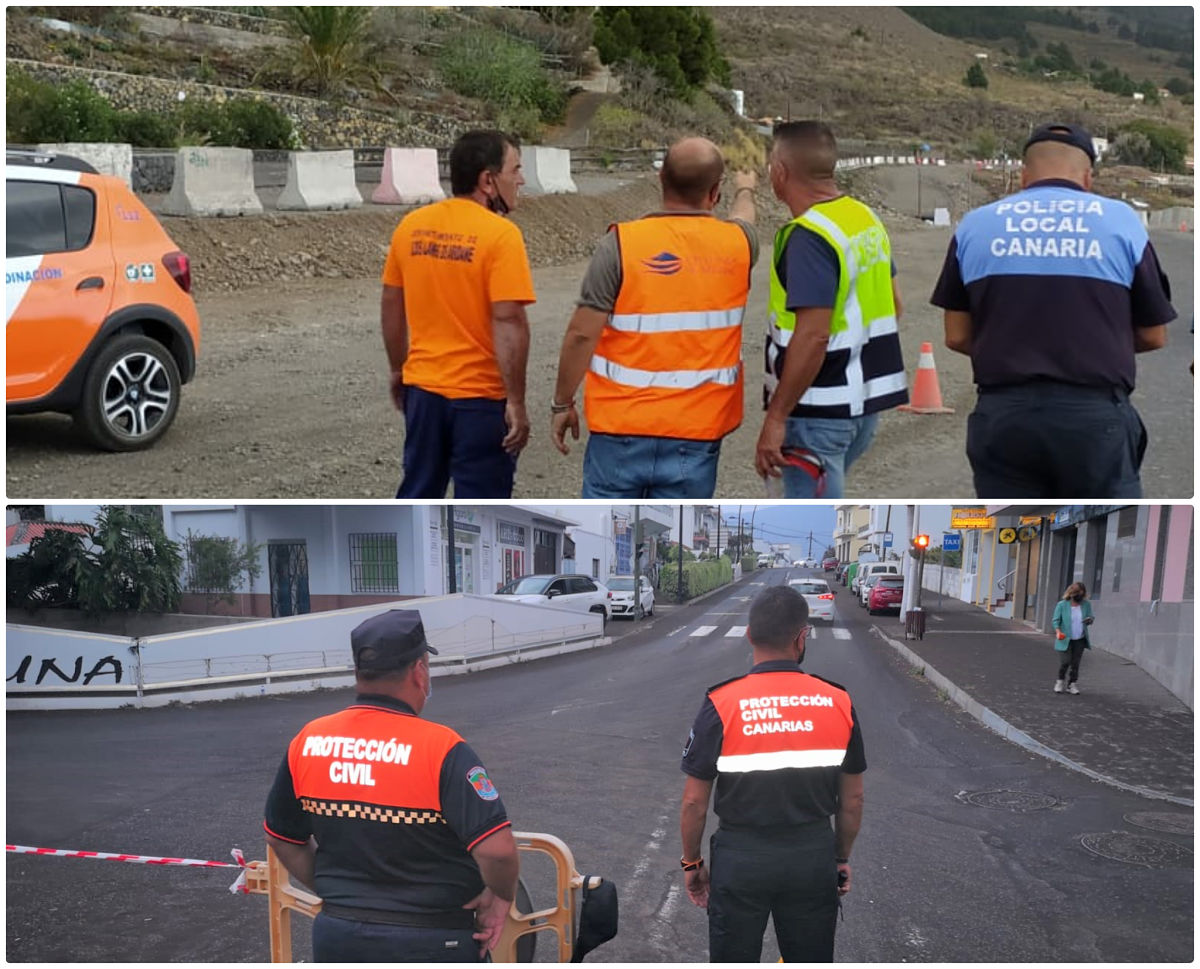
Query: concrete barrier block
[
  {"x": 320, "y": 180},
  {"x": 891, "y": 159},
  {"x": 107, "y": 159},
  {"x": 1178, "y": 219},
  {"x": 547, "y": 171},
  {"x": 410, "y": 177},
  {"x": 213, "y": 181},
  {"x": 941, "y": 217}
]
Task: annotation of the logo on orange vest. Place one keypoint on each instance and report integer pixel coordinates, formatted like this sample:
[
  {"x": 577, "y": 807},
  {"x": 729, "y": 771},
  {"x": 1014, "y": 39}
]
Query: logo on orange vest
[
  {"x": 664, "y": 264},
  {"x": 482, "y": 783}
]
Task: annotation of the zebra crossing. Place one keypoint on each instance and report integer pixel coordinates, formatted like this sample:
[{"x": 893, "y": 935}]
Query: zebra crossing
[{"x": 737, "y": 632}]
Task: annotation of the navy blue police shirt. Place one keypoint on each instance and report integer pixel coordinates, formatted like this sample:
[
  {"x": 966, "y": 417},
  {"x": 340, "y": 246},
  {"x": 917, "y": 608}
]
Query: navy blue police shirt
[{"x": 1055, "y": 279}]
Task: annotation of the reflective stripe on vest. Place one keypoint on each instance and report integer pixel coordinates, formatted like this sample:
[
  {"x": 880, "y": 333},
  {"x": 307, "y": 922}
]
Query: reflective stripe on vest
[
  {"x": 864, "y": 307},
  {"x": 668, "y": 363},
  {"x": 781, "y": 720}
]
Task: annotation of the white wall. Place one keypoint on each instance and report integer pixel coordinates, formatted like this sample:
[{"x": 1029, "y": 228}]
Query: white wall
[{"x": 271, "y": 656}]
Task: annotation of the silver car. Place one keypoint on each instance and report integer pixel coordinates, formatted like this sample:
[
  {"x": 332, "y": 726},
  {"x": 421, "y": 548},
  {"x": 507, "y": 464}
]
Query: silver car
[
  {"x": 578, "y": 592},
  {"x": 621, "y": 587},
  {"x": 818, "y": 595}
]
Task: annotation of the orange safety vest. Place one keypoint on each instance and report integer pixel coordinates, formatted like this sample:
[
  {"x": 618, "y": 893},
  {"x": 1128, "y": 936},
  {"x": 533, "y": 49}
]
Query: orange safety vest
[
  {"x": 779, "y": 720},
  {"x": 381, "y": 766},
  {"x": 669, "y": 362}
]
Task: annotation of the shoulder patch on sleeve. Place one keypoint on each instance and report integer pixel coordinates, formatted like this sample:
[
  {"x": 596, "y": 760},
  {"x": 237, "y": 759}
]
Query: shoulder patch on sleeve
[{"x": 483, "y": 785}]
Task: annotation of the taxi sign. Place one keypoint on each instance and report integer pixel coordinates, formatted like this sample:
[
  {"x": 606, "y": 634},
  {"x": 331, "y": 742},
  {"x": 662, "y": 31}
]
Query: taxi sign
[{"x": 971, "y": 518}]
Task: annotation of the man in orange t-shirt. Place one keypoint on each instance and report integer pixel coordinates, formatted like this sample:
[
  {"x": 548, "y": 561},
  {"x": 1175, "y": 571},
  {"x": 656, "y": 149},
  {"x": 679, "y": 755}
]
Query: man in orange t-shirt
[{"x": 455, "y": 286}]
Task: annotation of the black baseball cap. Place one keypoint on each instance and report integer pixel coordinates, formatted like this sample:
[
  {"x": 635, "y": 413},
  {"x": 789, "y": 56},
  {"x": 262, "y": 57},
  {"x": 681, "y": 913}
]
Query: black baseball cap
[
  {"x": 389, "y": 641},
  {"x": 1066, "y": 134}
]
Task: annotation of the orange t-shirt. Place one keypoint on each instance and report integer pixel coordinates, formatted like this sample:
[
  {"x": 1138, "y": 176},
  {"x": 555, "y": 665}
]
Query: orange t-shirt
[{"x": 453, "y": 259}]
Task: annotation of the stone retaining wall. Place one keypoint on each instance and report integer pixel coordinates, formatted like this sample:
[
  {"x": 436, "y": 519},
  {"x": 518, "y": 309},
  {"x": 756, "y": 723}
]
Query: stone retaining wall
[
  {"x": 320, "y": 124},
  {"x": 218, "y": 18}
]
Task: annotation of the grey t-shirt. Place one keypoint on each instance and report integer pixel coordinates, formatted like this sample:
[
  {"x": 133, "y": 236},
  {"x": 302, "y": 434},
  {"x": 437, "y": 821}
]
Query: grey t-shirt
[{"x": 602, "y": 281}]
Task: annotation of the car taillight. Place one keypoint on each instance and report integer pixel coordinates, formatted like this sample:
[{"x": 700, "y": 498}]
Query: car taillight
[
  {"x": 610, "y": 595},
  {"x": 827, "y": 595},
  {"x": 180, "y": 268}
]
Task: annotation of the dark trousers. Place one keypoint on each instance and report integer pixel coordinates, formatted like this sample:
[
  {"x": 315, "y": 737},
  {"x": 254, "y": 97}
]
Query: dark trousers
[
  {"x": 787, "y": 874},
  {"x": 345, "y": 940},
  {"x": 1055, "y": 440},
  {"x": 1069, "y": 661},
  {"x": 448, "y": 439}
]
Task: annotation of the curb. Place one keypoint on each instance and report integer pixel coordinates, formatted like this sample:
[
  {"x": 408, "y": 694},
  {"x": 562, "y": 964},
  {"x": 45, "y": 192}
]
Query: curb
[{"x": 1010, "y": 733}]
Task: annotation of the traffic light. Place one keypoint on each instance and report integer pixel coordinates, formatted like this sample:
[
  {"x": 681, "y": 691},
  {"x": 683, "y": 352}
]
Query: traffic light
[{"x": 919, "y": 544}]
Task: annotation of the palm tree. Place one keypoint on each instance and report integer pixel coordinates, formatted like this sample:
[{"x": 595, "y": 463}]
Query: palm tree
[{"x": 332, "y": 48}]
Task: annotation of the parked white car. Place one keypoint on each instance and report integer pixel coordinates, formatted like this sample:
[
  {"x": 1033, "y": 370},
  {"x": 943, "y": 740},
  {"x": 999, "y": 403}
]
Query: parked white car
[
  {"x": 870, "y": 568},
  {"x": 578, "y": 592},
  {"x": 621, "y": 587},
  {"x": 818, "y": 595}
]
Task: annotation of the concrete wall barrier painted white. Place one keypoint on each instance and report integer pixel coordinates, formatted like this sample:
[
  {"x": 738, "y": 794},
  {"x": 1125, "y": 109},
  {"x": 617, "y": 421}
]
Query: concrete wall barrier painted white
[
  {"x": 213, "y": 181},
  {"x": 59, "y": 669},
  {"x": 319, "y": 180},
  {"x": 941, "y": 217},
  {"x": 547, "y": 171},
  {"x": 410, "y": 177},
  {"x": 106, "y": 158},
  {"x": 1178, "y": 219}
]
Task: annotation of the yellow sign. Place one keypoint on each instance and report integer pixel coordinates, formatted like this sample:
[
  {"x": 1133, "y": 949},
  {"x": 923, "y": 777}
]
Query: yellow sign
[
  {"x": 1027, "y": 533},
  {"x": 1008, "y": 536},
  {"x": 1029, "y": 520},
  {"x": 971, "y": 518}
]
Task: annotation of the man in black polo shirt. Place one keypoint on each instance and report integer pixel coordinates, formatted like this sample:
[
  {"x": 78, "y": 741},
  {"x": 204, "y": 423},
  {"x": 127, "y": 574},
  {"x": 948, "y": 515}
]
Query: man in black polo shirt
[
  {"x": 1051, "y": 292},
  {"x": 392, "y": 820},
  {"x": 785, "y": 753}
]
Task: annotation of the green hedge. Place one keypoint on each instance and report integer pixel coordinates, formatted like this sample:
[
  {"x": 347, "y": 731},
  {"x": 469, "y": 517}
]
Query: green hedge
[
  {"x": 749, "y": 563},
  {"x": 698, "y": 578},
  {"x": 39, "y": 112}
]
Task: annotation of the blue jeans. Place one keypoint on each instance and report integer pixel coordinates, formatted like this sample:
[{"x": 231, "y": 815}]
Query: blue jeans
[
  {"x": 649, "y": 467},
  {"x": 839, "y": 441},
  {"x": 454, "y": 439}
]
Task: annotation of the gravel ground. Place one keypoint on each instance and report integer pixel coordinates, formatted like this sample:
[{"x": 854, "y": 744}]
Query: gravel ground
[{"x": 290, "y": 399}]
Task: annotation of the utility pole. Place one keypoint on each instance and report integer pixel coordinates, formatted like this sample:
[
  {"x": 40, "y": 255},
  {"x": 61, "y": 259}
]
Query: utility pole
[
  {"x": 637, "y": 562},
  {"x": 679, "y": 588},
  {"x": 452, "y": 583},
  {"x": 810, "y": 540},
  {"x": 718, "y": 531},
  {"x": 741, "y": 551}
]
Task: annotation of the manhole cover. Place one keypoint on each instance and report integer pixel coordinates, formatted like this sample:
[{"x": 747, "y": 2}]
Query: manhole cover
[
  {"x": 1013, "y": 800},
  {"x": 1136, "y": 849},
  {"x": 1162, "y": 821}
]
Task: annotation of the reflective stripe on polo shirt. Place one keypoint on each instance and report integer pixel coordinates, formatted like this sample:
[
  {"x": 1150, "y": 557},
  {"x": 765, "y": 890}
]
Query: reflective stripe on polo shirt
[{"x": 779, "y": 760}]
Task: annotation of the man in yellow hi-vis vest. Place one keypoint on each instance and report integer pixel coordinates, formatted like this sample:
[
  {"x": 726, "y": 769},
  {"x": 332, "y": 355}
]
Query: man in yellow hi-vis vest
[
  {"x": 657, "y": 336},
  {"x": 833, "y": 348}
]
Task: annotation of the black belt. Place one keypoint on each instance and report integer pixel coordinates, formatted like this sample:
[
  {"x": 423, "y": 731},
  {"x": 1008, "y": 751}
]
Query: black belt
[
  {"x": 416, "y": 920},
  {"x": 1097, "y": 390}
]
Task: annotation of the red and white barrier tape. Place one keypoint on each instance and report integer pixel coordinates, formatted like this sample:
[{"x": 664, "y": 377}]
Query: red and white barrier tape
[{"x": 239, "y": 860}]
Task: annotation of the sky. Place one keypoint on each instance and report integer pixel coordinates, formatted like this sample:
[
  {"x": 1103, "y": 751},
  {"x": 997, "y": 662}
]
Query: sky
[{"x": 792, "y": 523}]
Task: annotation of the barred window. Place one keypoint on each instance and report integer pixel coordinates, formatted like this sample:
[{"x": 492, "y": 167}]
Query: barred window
[
  {"x": 1127, "y": 522},
  {"x": 373, "y": 563}
]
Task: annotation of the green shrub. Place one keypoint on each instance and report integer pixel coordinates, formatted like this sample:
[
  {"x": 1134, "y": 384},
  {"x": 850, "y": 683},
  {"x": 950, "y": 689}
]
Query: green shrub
[
  {"x": 146, "y": 129},
  {"x": 749, "y": 563},
  {"x": 504, "y": 73},
  {"x": 698, "y": 578},
  {"x": 39, "y": 112},
  {"x": 254, "y": 124},
  {"x": 975, "y": 76}
]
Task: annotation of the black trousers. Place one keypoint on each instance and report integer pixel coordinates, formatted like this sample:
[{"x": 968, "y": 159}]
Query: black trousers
[
  {"x": 1055, "y": 440},
  {"x": 1069, "y": 661},
  {"x": 787, "y": 874},
  {"x": 347, "y": 940}
]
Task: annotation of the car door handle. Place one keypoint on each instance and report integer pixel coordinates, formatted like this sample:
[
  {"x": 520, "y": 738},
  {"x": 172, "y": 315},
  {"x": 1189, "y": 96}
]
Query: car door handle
[{"x": 92, "y": 282}]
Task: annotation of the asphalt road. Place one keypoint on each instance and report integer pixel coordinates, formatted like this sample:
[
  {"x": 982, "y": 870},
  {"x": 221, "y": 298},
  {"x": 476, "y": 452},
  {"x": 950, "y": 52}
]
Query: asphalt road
[{"x": 586, "y": 747}]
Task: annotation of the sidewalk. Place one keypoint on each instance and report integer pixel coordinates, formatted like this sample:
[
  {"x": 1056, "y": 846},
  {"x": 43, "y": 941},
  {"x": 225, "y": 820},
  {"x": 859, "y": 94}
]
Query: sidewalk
[{"x": 1124, "y": 727}]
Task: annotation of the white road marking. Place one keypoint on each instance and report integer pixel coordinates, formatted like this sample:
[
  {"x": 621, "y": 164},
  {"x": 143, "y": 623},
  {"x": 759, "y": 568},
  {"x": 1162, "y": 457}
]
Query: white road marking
[
  {"x": 840, "y": 632},
  {"x": 735, "y": 631},
  {"x": 702, "y": 630},
  {"x": 674, "y": 632},
  {"x": 937, "y": 618},
  {"x": 812, "y": 635}
]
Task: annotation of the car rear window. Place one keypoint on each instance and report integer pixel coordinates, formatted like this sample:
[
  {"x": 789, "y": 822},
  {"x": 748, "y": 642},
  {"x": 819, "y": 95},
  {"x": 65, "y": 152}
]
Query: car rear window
[
  {"x": 893, "y": 581},
  {"x": 80, "y": 207},
  {"x": 811, "y": 588}
]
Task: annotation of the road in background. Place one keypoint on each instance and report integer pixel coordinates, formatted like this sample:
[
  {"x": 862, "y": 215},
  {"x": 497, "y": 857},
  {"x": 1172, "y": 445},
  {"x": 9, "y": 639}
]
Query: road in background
[{"x": 587, "y": 747}]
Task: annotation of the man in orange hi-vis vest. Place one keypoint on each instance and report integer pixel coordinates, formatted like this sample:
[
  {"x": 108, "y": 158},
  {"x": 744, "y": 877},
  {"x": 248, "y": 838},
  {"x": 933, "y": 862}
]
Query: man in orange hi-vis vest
[
  {"x": 392, "y": 819},
  {"x": 657, "y": 336},
  {"x": 785, "y": 753}
]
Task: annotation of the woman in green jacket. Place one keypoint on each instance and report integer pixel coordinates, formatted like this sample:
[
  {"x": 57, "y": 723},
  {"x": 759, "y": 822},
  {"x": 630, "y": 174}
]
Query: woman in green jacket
[{"x": 1072, "y": 616}]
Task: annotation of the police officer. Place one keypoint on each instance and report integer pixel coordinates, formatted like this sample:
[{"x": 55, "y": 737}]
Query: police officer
[
  {"x": 392, "y": 820},
  {"x": 1051, "y": 292},
  {"x": 786, "y": 754}
]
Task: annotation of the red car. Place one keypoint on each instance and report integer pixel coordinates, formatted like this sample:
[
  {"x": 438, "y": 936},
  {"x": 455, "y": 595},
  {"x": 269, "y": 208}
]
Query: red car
[
  {"x": 886, "y": 594},
  {"x": 829, "y": 564}
]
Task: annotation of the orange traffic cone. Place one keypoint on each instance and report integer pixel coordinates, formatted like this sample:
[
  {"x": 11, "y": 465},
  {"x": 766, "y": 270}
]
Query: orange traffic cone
[{"x": 926, "y": 395}]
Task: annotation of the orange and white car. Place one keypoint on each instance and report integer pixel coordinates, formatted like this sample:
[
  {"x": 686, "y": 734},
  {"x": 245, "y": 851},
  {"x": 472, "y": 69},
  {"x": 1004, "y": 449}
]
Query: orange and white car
[{"x": 99, "y": 318}]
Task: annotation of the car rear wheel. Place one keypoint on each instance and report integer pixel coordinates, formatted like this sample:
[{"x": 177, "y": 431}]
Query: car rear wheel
[{"x": 130, "y": 395}]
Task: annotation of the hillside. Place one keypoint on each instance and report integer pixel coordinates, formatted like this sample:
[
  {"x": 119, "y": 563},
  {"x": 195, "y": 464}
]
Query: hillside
[{"x": 881, "y": 76}]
